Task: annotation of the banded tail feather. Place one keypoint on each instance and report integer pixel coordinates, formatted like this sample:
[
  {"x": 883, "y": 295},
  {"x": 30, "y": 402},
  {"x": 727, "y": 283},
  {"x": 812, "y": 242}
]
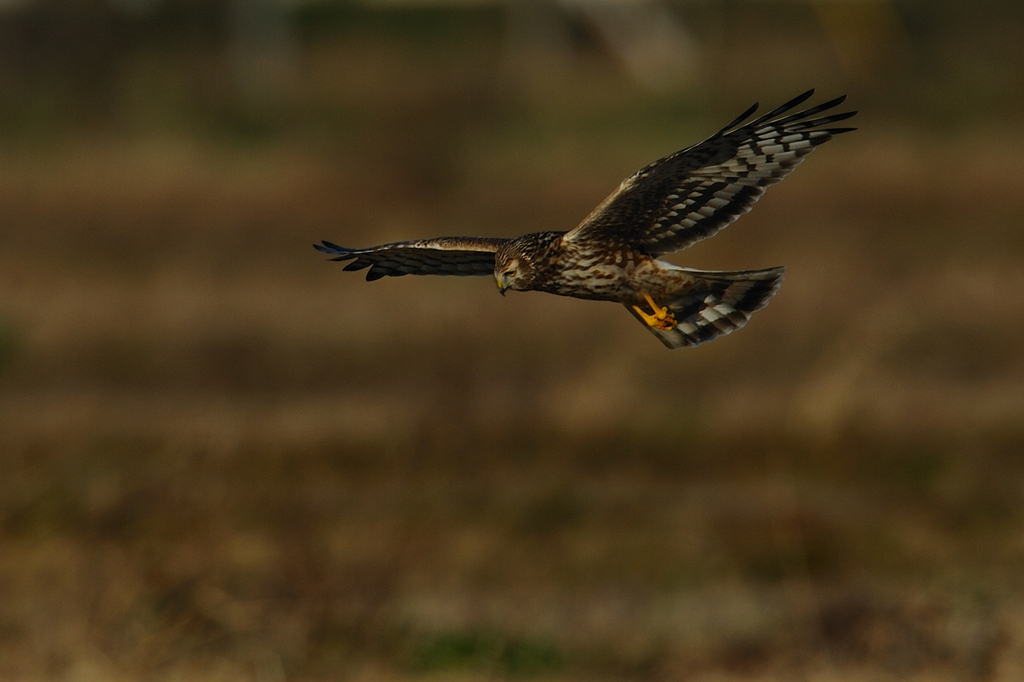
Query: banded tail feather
[{"x": 719, "y": 303}]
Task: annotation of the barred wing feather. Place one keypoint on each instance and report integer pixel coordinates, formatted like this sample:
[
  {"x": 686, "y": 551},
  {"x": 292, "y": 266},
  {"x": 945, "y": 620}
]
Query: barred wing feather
[
  {"x": 459, "y": 256},
  {"x": 692, "y": 194}
]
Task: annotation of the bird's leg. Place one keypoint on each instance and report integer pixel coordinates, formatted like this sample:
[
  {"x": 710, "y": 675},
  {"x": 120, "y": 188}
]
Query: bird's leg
[{"x": 661, "y": 319}]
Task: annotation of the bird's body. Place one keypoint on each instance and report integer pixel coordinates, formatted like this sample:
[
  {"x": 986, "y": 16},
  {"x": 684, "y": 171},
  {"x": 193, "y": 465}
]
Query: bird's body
[
  {"x": 613, "y": 254},
  {"x": 577, "y": 269},
  {"x": 581, "y": 271}
]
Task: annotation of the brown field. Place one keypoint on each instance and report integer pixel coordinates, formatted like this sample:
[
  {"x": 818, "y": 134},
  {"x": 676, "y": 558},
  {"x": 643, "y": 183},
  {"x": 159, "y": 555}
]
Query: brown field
[{"x": 225, "y": 459}]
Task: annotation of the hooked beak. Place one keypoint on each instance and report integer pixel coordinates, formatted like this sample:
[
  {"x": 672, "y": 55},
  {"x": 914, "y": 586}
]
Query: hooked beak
[{"x": 503, "y": 282}]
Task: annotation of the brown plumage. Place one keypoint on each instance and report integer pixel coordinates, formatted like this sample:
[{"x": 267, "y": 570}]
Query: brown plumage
[{"x": 665, "y": 206}]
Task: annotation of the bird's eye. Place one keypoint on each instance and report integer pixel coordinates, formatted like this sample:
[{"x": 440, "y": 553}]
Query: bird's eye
[{"x": 509, "y": 273}]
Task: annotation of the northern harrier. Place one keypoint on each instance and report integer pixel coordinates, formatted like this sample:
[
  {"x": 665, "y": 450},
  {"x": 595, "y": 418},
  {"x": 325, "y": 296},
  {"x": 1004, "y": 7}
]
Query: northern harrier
[{"x": 613, "y": 254}]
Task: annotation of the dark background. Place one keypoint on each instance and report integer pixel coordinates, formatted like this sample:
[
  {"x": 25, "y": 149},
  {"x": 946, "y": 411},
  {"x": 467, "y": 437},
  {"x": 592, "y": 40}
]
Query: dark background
[{"x": 225, "y": 459}]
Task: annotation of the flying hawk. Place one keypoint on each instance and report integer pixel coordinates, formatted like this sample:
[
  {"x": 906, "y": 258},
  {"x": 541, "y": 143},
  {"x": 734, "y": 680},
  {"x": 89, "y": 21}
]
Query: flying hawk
[{"x": 613, "y": 254}]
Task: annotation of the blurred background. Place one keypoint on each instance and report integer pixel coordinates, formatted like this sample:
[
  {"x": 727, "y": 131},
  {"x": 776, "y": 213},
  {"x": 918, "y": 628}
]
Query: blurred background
[{"x": 225, "y": 459}]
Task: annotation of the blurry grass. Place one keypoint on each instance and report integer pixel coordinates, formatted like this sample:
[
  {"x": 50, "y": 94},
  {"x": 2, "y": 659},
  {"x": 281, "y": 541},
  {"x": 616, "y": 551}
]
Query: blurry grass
[
  {"x": 9, "y": 343},
  {"x": 431, "y": 559},
  {"x": 453, "y": 651}
]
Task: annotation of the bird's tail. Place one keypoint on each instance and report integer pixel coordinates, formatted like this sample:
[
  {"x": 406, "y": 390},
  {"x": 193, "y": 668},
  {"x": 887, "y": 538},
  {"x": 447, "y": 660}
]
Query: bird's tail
[{"x": 715, "y": 304}]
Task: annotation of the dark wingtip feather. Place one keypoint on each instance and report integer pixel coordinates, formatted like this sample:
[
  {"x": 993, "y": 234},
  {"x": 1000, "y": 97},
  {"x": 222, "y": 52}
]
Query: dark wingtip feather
[
  {"x": 800, "y": 99},
  {"x": 835, "y": 118},
  {"x": 833, "y": 102},
  {"x": 740, "y": 119},
  {"x": 333, "y": 249},
  {"x": 802, "y": 118},
  {"x": 783, "y": 108}
]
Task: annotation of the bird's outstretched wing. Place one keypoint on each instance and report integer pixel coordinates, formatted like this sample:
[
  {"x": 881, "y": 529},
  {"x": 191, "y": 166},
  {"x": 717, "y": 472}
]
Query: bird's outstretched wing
[
  {"x": 692, "y": 194},
  {"x": 461, "y": 256}
]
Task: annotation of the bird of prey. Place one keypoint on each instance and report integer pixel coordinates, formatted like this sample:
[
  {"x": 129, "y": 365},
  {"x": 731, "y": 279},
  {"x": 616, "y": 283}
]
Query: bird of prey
[{"x": 665, "y": 206}]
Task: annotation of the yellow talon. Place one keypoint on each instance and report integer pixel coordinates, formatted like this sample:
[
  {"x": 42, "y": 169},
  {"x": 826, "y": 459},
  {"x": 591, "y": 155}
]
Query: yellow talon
[
  {"x": 661, "y": 319},
  {"x": 660, "y": 313}
]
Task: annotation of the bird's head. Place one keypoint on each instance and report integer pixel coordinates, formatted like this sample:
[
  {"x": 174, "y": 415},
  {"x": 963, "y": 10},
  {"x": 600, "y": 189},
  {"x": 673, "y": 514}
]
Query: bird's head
[
  {"x": 509, "y": 273},
  {"x": 521, "y": 264},
  {"x": 513, "y": 267}
]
